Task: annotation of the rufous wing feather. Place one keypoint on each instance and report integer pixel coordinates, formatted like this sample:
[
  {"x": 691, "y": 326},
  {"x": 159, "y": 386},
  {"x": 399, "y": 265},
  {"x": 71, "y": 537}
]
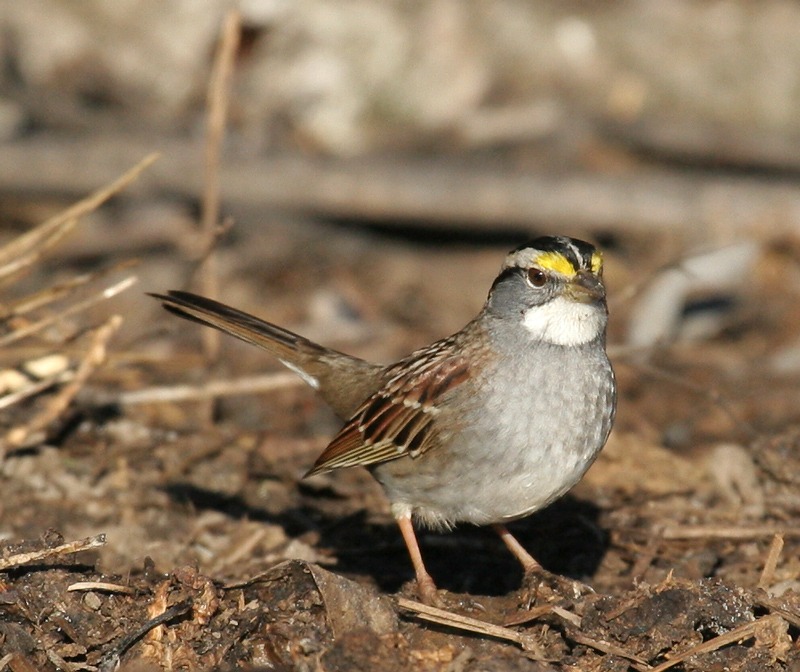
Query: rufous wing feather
[{"x": 399, "y": 419}]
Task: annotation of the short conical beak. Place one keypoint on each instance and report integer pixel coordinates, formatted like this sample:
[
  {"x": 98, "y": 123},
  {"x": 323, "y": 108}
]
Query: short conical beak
[{"x": 585, "y": 287}]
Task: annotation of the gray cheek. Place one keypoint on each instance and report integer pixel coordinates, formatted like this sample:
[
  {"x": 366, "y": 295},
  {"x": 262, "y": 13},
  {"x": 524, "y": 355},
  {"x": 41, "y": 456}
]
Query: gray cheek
[{"x": 512, "y": 297}]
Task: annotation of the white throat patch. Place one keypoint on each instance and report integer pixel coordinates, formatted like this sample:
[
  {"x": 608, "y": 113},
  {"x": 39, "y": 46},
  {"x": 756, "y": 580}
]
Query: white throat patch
[{"x": 564, "y": 322}]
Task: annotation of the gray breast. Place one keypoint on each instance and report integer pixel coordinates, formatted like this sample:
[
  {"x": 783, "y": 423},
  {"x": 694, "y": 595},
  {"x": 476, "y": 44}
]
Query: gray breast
[{"x": 537, "y": 420}]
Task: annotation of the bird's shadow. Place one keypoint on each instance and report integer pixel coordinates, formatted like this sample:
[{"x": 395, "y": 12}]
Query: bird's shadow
[{"x": 565, "y": 538}]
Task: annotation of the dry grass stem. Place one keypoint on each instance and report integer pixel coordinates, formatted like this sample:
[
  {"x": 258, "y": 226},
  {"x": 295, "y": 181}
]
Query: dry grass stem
[
  {"x": 768, "y": 573},
  {"x": 453, "y": 620},
  {"x": 774, "y": 605},
  {"x": 240, "y": 551},
  {"x": 101, "y": 586},
  {"x": 34, "y": 388},
  {"x": 217, "y": 105},
  {"x": 568, "y": 616},
  {"x": 64, "y": 549},
  {"x": 674, "y": 532},
  {"x": 745, "y": 631},
  {"x": 648, "y": 553},
  {"x": 450, "y": 619},
  {"x": 56, "y": 292},
  {"x": 26, "y": 250},
  {"x": 528, "y": 615},
  {"x": 102, "y": 295},
  {"x": 95, "y": 356},
  {"x": 611, "y": 649},
  {"x": 267, "y": 382}
]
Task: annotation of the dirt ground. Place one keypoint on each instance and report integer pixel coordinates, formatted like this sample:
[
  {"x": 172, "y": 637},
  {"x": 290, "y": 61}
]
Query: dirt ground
[
  {"x": 679, "y": 548},
  {"x": 379, "y": 160}
]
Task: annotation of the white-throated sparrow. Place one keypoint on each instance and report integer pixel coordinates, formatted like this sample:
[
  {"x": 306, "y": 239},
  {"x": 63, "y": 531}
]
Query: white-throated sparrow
[{"x": 485, "y": 426}]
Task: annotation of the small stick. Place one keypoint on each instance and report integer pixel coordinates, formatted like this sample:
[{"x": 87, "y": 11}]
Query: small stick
[
  {"x": 217, "y": 105},
  {"x": 25, "y": 250},
  {"x": 72, "y": 547},
  {"x": 528, "y": 615},
  {"x": 611, "y": 649},
  {"x": 241, "y": 550},
  {"x": 208, "y": 390},
  {"x": 774, "y": 605},
  {"x": 100, "y": 585},
  {"x": 56, "y": 292},
  {"x": 35, "y": 388},
  {"x": 768, "y": 573},
  {"x": 448, "y": 618},
  {"x": 96, "y": 355},
  {"x": 745, "y": 631},
  {"x": 568, "y": 616},
  {"x": 103, "y": 295},
  {"x": 111, "y": 660},
  {"x": 648, "y": 554},
  {"x": 687, "y": 532}
]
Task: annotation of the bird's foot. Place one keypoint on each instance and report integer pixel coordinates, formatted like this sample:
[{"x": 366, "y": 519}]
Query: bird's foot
[
  {"x": 428, "y": 592},
  {"x": 540, "y": 585}
]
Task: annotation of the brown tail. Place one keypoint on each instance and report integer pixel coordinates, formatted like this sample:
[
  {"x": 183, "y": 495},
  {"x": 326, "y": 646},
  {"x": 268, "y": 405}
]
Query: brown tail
[{"x": 343, "y": 381}]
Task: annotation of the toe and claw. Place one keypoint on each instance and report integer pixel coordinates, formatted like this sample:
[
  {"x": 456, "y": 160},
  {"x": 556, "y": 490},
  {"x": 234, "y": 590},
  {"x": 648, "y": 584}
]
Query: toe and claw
[
  {"x": 426, "y": 588},
  {"x": 535, "y": 574}
]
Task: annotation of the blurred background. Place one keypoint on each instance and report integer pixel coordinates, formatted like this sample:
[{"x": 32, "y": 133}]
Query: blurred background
[{"x": 379, "y": 158}]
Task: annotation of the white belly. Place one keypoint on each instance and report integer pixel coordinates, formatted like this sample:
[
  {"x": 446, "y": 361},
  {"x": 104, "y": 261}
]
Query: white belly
[{"x": 509, "y": 463}]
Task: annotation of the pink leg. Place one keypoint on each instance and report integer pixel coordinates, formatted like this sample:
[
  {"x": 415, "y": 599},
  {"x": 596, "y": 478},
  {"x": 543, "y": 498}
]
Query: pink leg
[
  {"x": 529, "y": 563},
  {"x": 425, "y": 585}
]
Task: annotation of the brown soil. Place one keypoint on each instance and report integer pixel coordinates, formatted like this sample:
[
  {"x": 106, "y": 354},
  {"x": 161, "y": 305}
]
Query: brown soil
[{"x": 218, "y": 556}]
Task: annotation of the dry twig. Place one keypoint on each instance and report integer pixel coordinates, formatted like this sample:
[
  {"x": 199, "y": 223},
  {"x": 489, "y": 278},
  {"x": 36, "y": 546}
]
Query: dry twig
[
  {"x": 745, "y": 631},
  {"x": 527, "y": 642},
  {"x": 102, "y": 295},
  {"x": 19, "y": 436},
  {"x": 675, "y": 532},
  {"x": 26, "y": 250},
  {"x": 64, "y": 549},
  {"x": 56, "y": 292},
  {"x": 647, "y": 554},
  {"x": 775, "y": 606},
  {"x": 267, "y": 382},
  {"x": 35, "y": 388},
  {"x": 102, "y": 586},
  {"x": 453, "y": 620},
  {"x": 111, "y": 660},
  {"x": 768, "y": 573},
  {"x": 218, "y": 99}
]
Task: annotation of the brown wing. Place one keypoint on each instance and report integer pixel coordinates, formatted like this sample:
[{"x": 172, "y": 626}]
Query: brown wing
[{"x": 399, "y": 419}]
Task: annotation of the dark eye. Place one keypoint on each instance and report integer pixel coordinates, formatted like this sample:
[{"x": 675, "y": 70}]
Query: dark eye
[{"x": 537, "y": 277}]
